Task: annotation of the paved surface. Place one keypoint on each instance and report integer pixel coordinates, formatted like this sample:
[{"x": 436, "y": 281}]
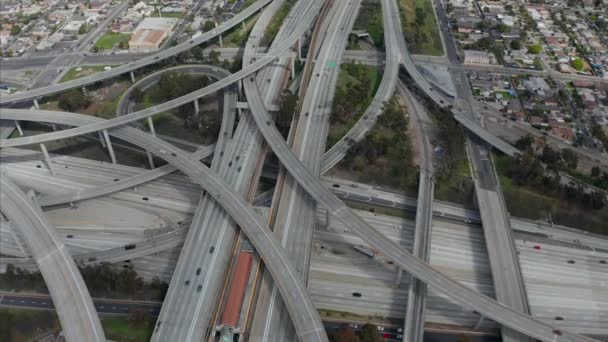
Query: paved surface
[
  {"x": 74, "y": 306},
  {"x": 102, "y": 306},
  {"x": 305, "y": 317},
  {"x": 295, "y": 216},
  {"x": 163, "y": 54},
  {"x": 454, "y": 241},
  {"x": 414, "y": 316}
]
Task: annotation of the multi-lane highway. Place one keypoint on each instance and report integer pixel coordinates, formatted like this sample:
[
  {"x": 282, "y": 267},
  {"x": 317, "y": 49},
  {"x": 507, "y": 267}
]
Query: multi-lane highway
[
  {"x": 304, "y": 316},
  {"x": 285, "y": 276},
  {"x": 415, "y": 311},
  {"x": 548, "y": 305},
  {"x": 70, "y": 294}
]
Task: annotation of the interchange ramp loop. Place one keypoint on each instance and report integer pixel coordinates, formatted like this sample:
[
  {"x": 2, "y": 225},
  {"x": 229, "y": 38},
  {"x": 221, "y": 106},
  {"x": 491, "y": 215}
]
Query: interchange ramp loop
[
  {"x": 72, "y": 300},
  {"x": 256, "y": 65},
  {"x": 151, "y": 59},
  {"x": 228, "y": 118},
  {"x": 301, "y": 309},
  {"x": 367, "y": 120}
]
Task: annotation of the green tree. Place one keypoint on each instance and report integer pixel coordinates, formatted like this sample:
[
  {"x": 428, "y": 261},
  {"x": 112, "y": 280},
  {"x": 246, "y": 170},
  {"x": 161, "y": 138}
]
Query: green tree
[
  {"x": 570, "y": 158},
  {"x": 208, "y": 26},
  {"x": 535, "y": 49},
  {"x": 524, "y": 143},
  {"x": 369, "y": 333},
  {"x": 287, "y": 109},
  {"x": 82, "y": 29},
  {"x": 73, "y": 100},
  {"x": 577, "y": 64},
  {"x": 515, "y": 45},
  {"x": 123, "y": 45},
  {"x": 15, "y": 30}
]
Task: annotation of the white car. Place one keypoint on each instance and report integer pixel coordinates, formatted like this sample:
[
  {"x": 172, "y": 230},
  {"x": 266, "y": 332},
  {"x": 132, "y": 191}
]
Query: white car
[{"x": 380, "y": 328}]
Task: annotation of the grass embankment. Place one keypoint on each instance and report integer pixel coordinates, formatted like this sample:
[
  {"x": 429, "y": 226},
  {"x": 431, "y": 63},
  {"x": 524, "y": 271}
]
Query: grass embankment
[
  {"x": 539, "y": 202},
  {"x": 370, "y": 21},
  {"x": 357, "y": 84},
  {"x": 420, "y": 27},
  {"x": 238, "y": 35},
  {"x": 79, "y": 72},
  {"x": 276, "y": 22},
  {"x": 385, "y": 156},
  {"x": 125, "y": 328},
  {"x": 20, "y": 325},
  {"x": 169, "y": 14},
  {"x": 111, "y": 39},
  {"x": 453, "y": 182}
]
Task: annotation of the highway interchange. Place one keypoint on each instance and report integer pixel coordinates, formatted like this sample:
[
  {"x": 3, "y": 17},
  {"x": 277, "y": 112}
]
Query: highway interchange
[{"x": 227, "y": 185}]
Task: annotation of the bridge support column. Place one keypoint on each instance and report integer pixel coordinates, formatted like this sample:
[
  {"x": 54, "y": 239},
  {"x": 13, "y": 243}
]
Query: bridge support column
[
  {"x": 292, "y": 66},
  {"x": 132, "y": 77},
  {"x": 18, "y": 128},
  {"x": 196, "y": 108},
  {"x": 398, "y": 277},
  {"x": 84, "y": 90},
  {"x": 153, "y": 132},
  {"x": 478, "y": 324},
  {"x": 151, "y": 126},
  {"x": 54, "y": 127},
  {"x": 101, "y": 139},
  {"x": 299, "y": 44},
  {"x": 47, "y": 159},
  {"x": 109, "y": 145},
  {"x": 220, "y": 37},
  {"x": 36, "y": 104}
]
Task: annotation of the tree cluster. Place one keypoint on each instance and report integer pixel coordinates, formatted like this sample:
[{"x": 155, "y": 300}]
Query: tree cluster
[
  {"x": 353, "y": 97},
  {"x": 14, "y": 323},
  {"x": 173, "y": 85},
  {"x": 368, "y": 333},
  {"x": 384, "y": 154},
  {"x": 73, "y": 100},
  {"x": 102, "y": 280},
  {"x": 527, "y": 170}
]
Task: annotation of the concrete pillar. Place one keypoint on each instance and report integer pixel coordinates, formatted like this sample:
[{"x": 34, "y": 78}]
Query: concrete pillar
[
  {"x": 241, "y": 88},
  {"x": 132, "y": 77},
  {"x": 109, "y": 145},
  {"x": 196, "y": 108},
  {"x": 84, "y": 90},
  {"x": 239, "y": 110},
  {"x": 299, "y": 44},
  {"x": 220, "y": 37},
  {"x": 153, "y": 132},
  {"x": 151, "y": 126},
  {"x": 54, "y": 127},
  {"x": 102, "y": 140},
  {"x": 292, "y": 66},
  {"x": 47, "y": 159},
  {"x": 18, "y": 128},
  {"x": 36, "y": 104},
  {"x": 150, "y": 159},
  {"x": 243, "y": 24},
  {"x": 398, "y": 277},
  {"x": 478, "y": 324}
]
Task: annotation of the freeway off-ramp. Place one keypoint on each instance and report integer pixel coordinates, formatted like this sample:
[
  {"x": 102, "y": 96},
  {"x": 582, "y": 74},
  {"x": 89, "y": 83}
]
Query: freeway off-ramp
[{"x": 75, "y": 308}]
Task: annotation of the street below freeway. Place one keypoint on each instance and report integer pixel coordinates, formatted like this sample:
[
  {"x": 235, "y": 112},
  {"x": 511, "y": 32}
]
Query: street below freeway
[{"x": 102, "y": 306}]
